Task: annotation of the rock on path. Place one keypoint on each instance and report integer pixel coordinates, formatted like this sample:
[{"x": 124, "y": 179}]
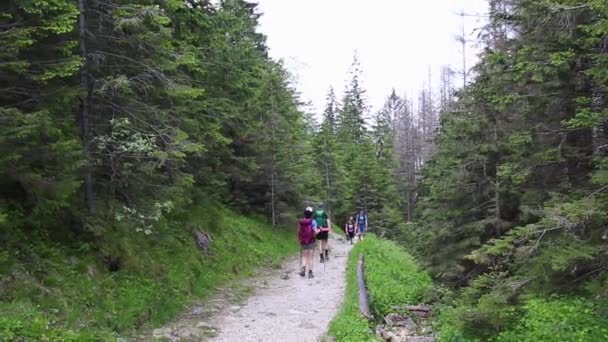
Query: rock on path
[{"x": 290, "y": 308}]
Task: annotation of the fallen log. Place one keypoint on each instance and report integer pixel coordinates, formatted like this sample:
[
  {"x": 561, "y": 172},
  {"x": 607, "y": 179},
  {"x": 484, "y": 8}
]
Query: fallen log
[{"x": 363, "y": 295}]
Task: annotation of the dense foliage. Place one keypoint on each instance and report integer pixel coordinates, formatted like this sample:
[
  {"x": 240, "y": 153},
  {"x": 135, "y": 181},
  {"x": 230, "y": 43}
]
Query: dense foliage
[
  {"x": 512, "y": 206},
  {"x": 120, "y": 119},
  {"x": 359, "y": 161},
  {"x": 64, "y": 294}
]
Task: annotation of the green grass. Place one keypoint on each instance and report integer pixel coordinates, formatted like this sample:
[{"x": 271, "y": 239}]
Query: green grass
[
  {"x": 393, "y": 278},
  {"x": 537, "y": 319},
  {"x": 558, "y": 319},
  {"x": 49, "y": 292}
]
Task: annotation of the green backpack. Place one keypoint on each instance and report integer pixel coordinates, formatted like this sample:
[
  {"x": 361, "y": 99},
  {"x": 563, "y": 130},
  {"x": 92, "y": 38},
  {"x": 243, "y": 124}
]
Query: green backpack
[{"x": 321, "y": 218}]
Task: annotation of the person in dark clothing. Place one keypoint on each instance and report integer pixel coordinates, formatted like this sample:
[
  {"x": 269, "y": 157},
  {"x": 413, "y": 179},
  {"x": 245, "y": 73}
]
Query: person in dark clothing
[{"x": 350, "y": 229}]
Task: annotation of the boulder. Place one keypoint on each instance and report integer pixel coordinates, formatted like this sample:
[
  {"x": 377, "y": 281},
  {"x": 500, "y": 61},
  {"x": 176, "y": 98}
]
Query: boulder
[
  {"x": 399, "y": 320},
  {"x": 423, "y": 311}
]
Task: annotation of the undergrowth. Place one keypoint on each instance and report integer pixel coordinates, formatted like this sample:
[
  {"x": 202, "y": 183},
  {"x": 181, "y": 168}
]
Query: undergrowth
[
  {"x": 50, "y": 292},
  {"x": 536, "y": 319},
  {"x": 392, "y": 278}
]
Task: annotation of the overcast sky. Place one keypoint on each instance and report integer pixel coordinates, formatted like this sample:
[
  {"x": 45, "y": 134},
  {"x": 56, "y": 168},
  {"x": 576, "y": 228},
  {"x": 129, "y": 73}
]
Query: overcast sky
[{"x": 397, "y": 41}]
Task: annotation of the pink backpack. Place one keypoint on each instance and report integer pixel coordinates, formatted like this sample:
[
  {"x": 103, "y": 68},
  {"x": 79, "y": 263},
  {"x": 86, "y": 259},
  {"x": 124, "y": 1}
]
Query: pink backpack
[{"x": 305, "y": 233}]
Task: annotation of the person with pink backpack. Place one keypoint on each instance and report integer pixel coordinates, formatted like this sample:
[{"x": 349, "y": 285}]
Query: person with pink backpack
[{"x": 306, "y": 236}]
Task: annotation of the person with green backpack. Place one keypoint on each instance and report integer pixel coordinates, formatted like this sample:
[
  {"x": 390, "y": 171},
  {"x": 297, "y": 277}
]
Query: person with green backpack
[{"x": 324, "y": 227}]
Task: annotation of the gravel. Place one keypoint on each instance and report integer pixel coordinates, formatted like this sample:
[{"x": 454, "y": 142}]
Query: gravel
[{"x": 293, "y": 309}]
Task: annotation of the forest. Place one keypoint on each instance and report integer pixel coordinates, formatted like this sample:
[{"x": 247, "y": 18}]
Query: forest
[{"x": 127, "y": 125}]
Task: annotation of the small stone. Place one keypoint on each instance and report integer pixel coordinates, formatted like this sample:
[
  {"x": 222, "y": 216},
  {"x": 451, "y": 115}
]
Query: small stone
[
  {"x": 199, "y": 310},
  {"x": 296, "y": 312},
  {"x": 235, "y": 308},
  {"x": 204, "y": 325},
  {"x": 421, "y": 339},
  {"x": 425, "y": 330},
  {"x": 160, "y": 332},
  {"x": 285, "y": 276},
  {"x": 307, "y": 325}
]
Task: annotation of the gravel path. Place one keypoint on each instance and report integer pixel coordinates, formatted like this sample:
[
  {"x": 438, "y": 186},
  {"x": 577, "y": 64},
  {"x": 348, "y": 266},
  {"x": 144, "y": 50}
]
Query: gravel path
[
  {"x": 279, "y": 306},
  {"x": 292, "y": 309}
]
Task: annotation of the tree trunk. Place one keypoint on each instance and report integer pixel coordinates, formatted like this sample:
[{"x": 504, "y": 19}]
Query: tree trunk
[
  {"x": 497, "y": 185},
  {"x": 85, "y": 108},
  {"x": 327, "y": 180},
  {"x": 272, "y": 196},
  {"x": 273, "y": 178}
]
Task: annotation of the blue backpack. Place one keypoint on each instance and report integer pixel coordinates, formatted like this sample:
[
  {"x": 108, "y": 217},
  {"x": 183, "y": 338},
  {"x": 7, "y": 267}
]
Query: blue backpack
[{"x": 361, "y": 219}]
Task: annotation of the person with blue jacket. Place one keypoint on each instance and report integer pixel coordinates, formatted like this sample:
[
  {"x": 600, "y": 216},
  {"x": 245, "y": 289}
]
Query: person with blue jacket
[{"x": 361, "y": 221}]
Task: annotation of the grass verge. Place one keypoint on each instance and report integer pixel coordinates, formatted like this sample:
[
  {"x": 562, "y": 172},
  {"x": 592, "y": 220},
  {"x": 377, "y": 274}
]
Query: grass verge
[
  {"x": 555, "y": 318},
  {"x": 50, "y": 292},
  {"x": 393, "y": 278}
]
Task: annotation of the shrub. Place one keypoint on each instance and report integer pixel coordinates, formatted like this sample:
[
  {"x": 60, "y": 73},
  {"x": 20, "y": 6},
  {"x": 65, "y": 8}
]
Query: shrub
[
  {"x": 558, "y": 319},
  {"x": 393, "y": 278},
  {"x": 53, "y": 292},
  {"x": 538, "y": 319}
]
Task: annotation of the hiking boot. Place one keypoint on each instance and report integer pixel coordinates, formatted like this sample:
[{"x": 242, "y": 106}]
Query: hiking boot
[
  {"x": 322, "y": 258},
  {"x": 310, "y": 274},
  {"x": 326, "y": 254},
  {"x": 303, "y": 272}
]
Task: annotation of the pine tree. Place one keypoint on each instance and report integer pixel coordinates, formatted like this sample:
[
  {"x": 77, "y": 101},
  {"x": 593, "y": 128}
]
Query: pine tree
[
  {"x": 39, "y": 144},
  {"x": 509, "y": 202},
  {"x": 351, "y": 128},
  {"x": 408, "y": 152},
  {"x": 330, "y": 164}
]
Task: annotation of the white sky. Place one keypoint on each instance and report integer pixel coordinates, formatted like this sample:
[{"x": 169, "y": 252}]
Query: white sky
[{"x": 397, "y": 41}]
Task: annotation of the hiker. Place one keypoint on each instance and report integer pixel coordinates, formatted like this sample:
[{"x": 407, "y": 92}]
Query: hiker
[
  {"x": 361, "y": 223},
  {"x": 323, "y": 228},
  {"x": 306, "y": 237},
  {"x": 349, "y": 229}
]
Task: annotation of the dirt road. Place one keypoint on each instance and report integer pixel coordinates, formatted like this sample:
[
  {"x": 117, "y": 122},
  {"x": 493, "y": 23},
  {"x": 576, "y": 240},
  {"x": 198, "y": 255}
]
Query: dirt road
[{"x": 282, "y": 306}]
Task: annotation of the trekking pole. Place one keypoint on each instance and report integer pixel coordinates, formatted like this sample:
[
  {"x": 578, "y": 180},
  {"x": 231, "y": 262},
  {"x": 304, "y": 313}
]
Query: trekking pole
[
  {"x": 313, "y": 252},
  {"x": 325, "y": 260}
]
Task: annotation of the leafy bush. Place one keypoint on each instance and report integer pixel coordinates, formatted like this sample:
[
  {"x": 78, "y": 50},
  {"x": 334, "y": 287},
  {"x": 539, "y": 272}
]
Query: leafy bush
[
  {"x": 560, "y": 319},
  {"x": 556, "y": 319},
  {"x": 54, "y": 292},
  {"x": 393, "y": 278}
]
